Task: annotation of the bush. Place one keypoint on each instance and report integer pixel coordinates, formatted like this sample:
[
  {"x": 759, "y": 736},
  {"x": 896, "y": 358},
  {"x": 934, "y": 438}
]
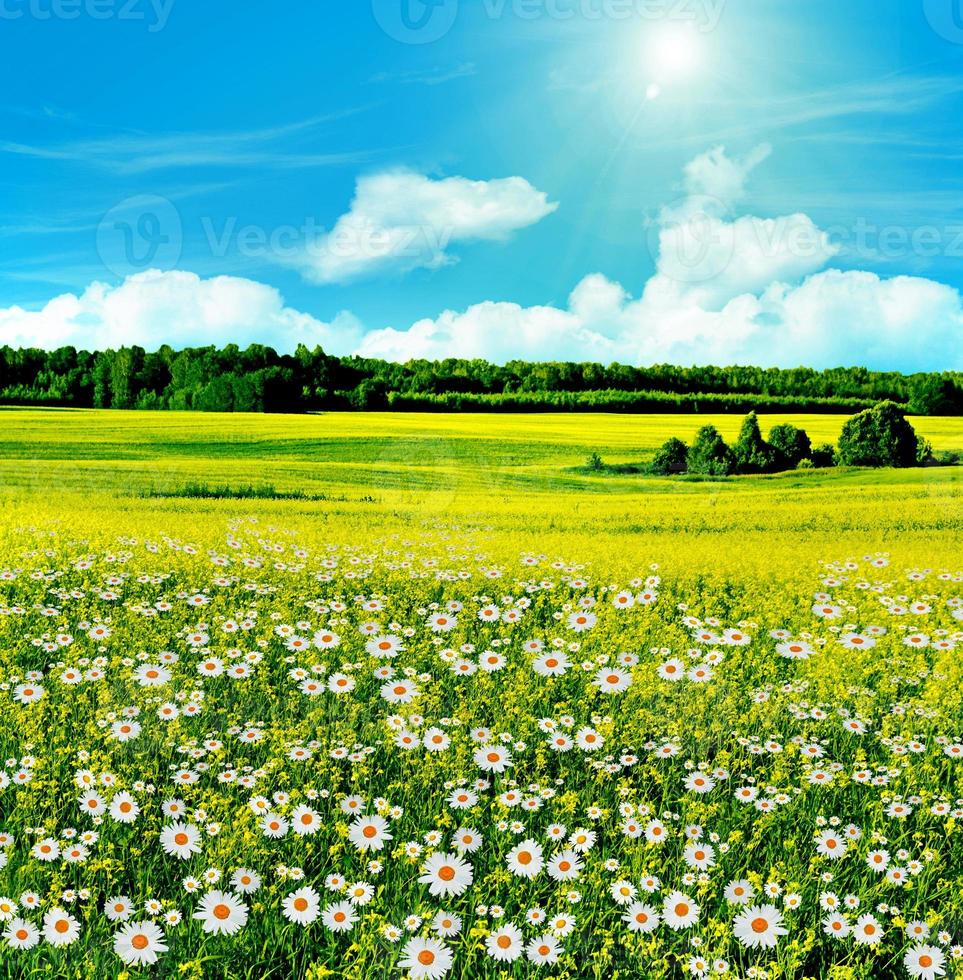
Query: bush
[
  {"x": 709, "y": 455},
  {"x": 823, "y": 456},
  {"x": 792, "y": 445},
  {"x": 672, "y": 457},
  {"x": 594, "y": 463},
  {"x": 880, "y": 436},
  {"x": 753, "y": 454},
  {"x": 805, "y": 464}
]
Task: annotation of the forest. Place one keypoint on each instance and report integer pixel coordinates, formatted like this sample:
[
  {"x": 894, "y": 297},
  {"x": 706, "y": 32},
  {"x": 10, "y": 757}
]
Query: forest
[{"x": 259, "y": 379}]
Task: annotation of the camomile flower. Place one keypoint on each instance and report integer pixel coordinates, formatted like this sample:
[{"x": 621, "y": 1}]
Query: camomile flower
[
  {"x": 462, "y": 799},
  {"x": 426, "y": 958},
  {"x": 466, "y": 839},
  {"x": 21, "y": 934},
  {"x": 562, "y": 925},
  {"x": 446, "y": 874},
  {"x": 836, "y": 925},
  {"x": 739, "y": 892},
  {"x": 525, "y": 859},
  {"x": 641, "y": 917},
  {"x": 139, "y": 943},
  {"x": 612, "y": 680},
  {"x": 339, "y": 917},
  {"x": 564, "y": 866},
  {"x": 46, "y": 850},
  {"x": 360, "y": 893},
  {"x": 699, "y": 856},
  {"x": 221, "y": 913},
  {"x": 622, "y": 892},
  {"x": 302, "y": 906},
  {"x": 124, "y": 808},
  {"x": 867, "y": 931},
  {"x": 60, "y": 928},
  {"x": 493, "y": 758},
  {"x": 671, "y": 670},
  {"x": 505, "y": 945},
  {"x": 446, "y": 924},
  {"x": 543, "y": 949},
  {"x": 795, "y": 650},
  {"x": 369, "y": 833},
  {"x": 305, "y": 821},
  {"x": 925, "y": 962},
  {"x": 245, "y": 881},
  {"x": 435, "y": 740},
  {"x": 699, "y": 782},
  {"x": 759, "y": 926},
  {"x": 182, "y": 840},
  {"x": 551, "y": 664},
  {"x": 679, "y": 911},
  {"x": 830, "y": 844}
]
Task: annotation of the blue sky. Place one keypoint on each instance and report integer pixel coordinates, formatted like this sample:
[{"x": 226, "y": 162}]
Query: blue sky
[{"x": 688, "y": 180}]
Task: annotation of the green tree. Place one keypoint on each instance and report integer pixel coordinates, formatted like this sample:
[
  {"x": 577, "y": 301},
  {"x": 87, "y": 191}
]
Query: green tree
[
  {"x": 791, "y": 445},
  {"x": 709, "y": 455},
  {"x": 880, "y": 436},
  {"x": 934, "y": 394},
  {"x": 752, "y": 453},
  {"x": 671, "y": 457}
]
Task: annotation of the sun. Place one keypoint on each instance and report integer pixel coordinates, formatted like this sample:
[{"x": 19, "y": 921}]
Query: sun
[{"x": 674, "y": 52}]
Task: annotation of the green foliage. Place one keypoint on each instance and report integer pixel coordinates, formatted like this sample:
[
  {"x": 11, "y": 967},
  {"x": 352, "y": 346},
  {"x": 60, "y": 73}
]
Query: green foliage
[
  {"x": 823, "y": 456},
  {"x": 709, "y": 455},
  {"x": 259, "y": 379},
  {"x": 752, "y": 453},
  {"x": 594, "y": 463},
  {"x": 671, "y": 457},
  {"x": 880, "y": 436},
  {"x": 935, "y": 394},
  {"x": 791, "y": 445}
]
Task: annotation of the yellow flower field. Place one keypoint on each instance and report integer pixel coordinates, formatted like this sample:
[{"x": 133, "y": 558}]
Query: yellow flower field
[{"x": 462, "y": 710}]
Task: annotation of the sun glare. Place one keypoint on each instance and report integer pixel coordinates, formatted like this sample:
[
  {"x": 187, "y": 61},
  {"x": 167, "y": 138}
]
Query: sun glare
[{"x": 674, "y": 52}]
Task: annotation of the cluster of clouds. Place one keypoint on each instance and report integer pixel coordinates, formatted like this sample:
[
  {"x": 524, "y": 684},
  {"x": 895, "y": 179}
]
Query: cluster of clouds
[{"x": 727, "y": 288}]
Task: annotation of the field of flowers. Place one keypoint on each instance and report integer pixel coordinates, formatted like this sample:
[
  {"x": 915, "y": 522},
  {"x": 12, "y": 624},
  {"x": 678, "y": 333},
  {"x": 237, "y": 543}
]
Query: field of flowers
[{"x": 437, "y": 729}]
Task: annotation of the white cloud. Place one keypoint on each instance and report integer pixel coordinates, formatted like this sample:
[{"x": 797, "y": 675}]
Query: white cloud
[
  {"x": 744, "y": 290},
  {"x": 717, "y": 175},
  {"x": 401, "y": 220},
  {"x": 176, "y": 308}
]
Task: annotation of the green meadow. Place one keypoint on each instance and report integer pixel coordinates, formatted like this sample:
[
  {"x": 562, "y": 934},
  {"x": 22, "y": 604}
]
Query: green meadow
[{"x": 519, "y": 474}]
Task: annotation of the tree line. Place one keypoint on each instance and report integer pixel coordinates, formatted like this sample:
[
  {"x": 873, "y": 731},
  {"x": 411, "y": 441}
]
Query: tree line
[
  {"x": 258, "y": 379},
  {"x": 879, "y": 436}
]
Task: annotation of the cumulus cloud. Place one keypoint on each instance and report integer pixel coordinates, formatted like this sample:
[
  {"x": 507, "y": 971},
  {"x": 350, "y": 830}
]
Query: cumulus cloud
[
  {"x": 716, "y": 174},
  {"x": 746, "y": 290},
  {"x": 401, "y": 220},
  {"x": 176, "y": 308},
  {"x": 726, "y": 290}
]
